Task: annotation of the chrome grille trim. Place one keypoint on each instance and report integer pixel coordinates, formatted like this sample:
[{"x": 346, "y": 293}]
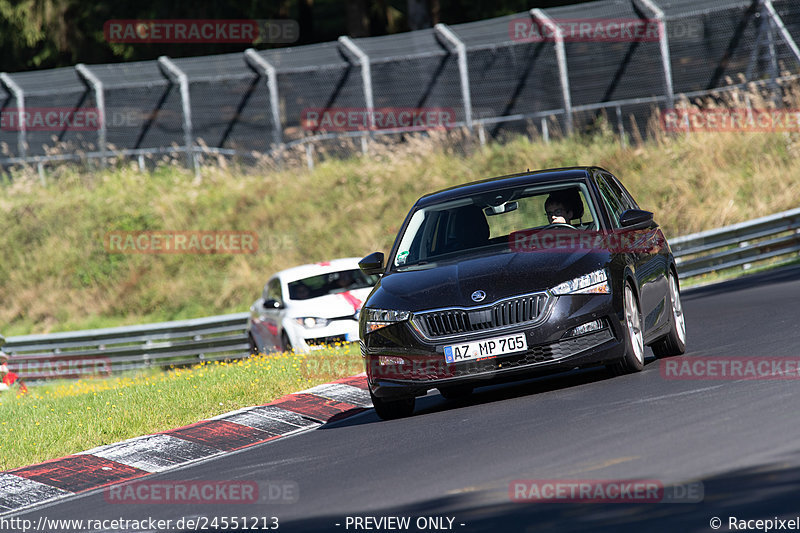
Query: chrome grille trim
[{"x": 440, "y": 324}]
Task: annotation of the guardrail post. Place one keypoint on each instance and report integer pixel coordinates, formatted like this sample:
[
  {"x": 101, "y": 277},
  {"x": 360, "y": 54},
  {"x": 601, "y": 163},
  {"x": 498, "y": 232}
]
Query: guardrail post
[
  {"x": 663, "y": 42},
  {"x": 173, "y": 71},
  {"x": 256, "y": 61},
  {"x": 19, "y": 95},
  {"x": 309, "y": 156},
  {"x": 100, "y": 99},
  {"x": 463, "y": 72},
  {"x": 366, "y": 79},
  {"x": 561, "y": 56}
]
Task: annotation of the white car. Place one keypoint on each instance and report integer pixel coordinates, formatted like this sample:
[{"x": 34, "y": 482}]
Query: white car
[{"x": 306, "y": 307}]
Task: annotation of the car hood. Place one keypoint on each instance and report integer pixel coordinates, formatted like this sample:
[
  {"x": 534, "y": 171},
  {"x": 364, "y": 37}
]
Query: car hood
[
  {"x": 330, "y": 305},
  {"x": 451, "y": 284}
]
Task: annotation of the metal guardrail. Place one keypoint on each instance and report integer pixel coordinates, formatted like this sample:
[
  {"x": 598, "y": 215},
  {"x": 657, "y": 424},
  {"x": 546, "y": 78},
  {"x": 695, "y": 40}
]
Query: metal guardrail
[
  {"x": 183, "y": 342},
  {"x": 112, "y": 350},
  {"x": 738, "y": 244}
]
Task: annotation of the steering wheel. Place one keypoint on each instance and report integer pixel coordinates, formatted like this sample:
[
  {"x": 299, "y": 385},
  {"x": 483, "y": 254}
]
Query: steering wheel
[{"x": 560, "y": 225}]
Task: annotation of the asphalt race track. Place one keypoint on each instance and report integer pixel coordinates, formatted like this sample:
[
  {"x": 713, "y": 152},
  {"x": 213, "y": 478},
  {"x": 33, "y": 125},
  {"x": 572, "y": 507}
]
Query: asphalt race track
[{"x": 739, "y": 438}]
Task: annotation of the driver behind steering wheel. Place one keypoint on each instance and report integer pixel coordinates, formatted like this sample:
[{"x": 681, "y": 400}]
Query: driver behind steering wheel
[{"x": 564, "y": 206}]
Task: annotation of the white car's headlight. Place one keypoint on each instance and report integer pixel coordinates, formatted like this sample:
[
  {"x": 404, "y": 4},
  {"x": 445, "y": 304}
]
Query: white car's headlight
[
  {"x": 310, "y": 322},
  {"x": 380, "y": 318},
  {"x": 593, "y": 283}
]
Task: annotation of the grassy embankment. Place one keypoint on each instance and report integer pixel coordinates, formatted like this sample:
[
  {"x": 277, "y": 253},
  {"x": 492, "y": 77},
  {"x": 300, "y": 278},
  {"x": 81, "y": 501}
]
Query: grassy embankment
[{"x": 55, "y": 273}]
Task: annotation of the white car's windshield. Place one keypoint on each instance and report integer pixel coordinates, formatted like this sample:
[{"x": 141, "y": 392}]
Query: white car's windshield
[
  {"x": 489, "y": 220},
  {"x": 330, "y": 283}
]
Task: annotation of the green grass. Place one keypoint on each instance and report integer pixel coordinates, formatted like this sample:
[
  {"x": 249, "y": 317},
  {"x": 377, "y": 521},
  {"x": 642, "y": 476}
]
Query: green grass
[{"x": 66, "y": 417}]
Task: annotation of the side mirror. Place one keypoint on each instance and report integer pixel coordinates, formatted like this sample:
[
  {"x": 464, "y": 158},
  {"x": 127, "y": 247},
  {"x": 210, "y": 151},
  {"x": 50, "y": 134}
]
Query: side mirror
[
  {"x": 635, "y": 217},
  {"x": 372, "y": 264},
  {"x": 272, "y": 304}
]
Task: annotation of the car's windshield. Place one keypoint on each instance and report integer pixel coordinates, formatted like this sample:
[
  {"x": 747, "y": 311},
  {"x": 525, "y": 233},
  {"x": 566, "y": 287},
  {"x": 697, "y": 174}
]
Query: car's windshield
[
  {"x": 330, "y": 283},
  {"x": 489, "y": 220}
]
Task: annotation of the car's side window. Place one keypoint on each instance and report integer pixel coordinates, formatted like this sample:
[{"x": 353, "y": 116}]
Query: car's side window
[
  {"x": 621, "y": 192},
  {"x": 614, "y": 203}
]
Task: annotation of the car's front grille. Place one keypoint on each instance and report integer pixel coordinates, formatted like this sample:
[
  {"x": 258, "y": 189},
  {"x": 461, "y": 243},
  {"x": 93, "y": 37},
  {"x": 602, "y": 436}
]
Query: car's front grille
[{"x": 509, "y": 312}]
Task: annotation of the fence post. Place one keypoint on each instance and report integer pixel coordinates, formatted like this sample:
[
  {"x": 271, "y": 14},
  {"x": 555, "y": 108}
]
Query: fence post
[
  {"x": 463, "y": 71},
  {"x": 561, "y": 55},
  {"x": 773, "y": 57},
  {"x": 366, "y": 78},
  {"x": 254, "y": 59},
  {"x": 19, "y": 95},
  {"x": 99, "y": 98},
  {"x": 663, "y": 42},
  {"x": 620, "y": 126},
  {"x": 778, "y": 22},
  {"x": 183, "y": 82}
]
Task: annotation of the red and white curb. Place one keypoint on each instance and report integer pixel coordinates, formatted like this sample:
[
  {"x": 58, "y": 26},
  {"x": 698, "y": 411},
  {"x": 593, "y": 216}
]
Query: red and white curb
[{"x": 25, "y": 487}]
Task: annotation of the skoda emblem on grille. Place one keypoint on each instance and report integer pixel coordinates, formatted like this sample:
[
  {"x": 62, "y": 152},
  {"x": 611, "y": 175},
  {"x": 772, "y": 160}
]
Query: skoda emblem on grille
[{"x": 478, "y": 296}]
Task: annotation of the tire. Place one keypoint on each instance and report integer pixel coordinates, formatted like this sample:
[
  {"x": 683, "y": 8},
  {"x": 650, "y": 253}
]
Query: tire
[
  {"x": 633, "y": 358},
  {"x": 253, "y": 346},
  {"x": 456, "y": 392},
  {"x": 674, "y": 343},
  {"x": 286, "y": 344},
  {"x": 393, "y": 409}
]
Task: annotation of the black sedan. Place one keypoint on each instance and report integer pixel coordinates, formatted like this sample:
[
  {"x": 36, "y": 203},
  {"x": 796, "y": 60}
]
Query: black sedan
[{"x": 503, "y": 278}]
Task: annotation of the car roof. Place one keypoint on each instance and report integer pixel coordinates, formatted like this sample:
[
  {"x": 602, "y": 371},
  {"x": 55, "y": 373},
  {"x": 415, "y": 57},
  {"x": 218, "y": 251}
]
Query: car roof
[
  {"x": 507, "y": 181},
  {"x": 315, "y": 269}
]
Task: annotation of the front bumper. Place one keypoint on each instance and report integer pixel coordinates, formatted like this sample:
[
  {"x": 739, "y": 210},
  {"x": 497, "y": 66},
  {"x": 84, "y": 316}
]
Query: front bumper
[
  {"x": 336, "y": 333},
  {"x": 418, "y": 365}
]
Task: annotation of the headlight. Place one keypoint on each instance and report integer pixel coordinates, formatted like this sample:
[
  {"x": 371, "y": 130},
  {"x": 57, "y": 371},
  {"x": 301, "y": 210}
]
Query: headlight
[
  {"x": 310, "y": 322},
  {"x": 380, "y": 318},
  {"x": 593, "y": 283}
]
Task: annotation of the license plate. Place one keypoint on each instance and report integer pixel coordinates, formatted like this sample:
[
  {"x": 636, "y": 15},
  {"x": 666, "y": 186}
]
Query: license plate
[{"x": 485, "y": 348}]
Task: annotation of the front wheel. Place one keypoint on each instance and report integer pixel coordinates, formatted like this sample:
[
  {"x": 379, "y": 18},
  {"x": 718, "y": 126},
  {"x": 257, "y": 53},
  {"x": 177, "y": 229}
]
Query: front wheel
[
  {"x": 253, "y": 346},
  {"x": 674, "y": 343},
  {"x": 633, "y": 359},
  {"x": 286, "y": 344},
  {"x": 392, "y": 409}
]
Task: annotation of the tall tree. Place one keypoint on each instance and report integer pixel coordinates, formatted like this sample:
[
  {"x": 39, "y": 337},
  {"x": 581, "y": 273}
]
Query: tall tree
[
  {"x": 419, "y": 14},
  {"x": 357, "y": 18}
]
